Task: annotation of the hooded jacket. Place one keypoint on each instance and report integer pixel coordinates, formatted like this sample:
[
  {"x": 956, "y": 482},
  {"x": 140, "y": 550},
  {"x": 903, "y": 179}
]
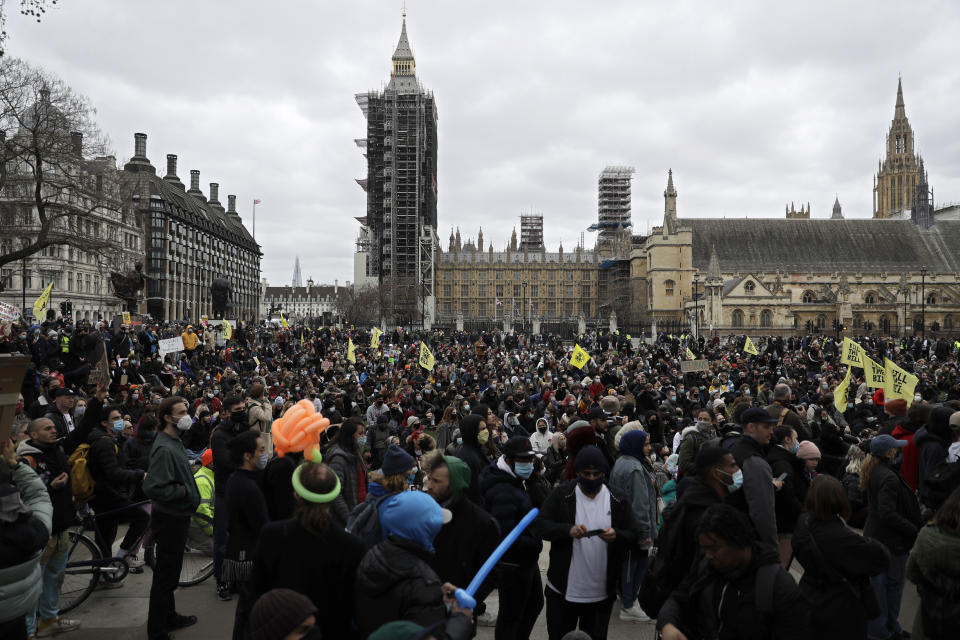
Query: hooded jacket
[
  {"x": 344, "y": 464},
  {"x": 506, "y": 499},
  {"x": 757, "y": 495},
  {"x": 788, "y": 502},
  {"x": 710, "y": 604},
  {"x": 893, "y": 515},
  {"x": 911, "y": 457},
  {"x": 934, "y": 566},
  {"x": 464, "y": 543},
  {"x": 470, "y": 453},
  {"x": 49, "y": 461},
  {"x": 394, "y": 580},
  {"x": 634, "y": 481},
  {"x": 932, "y": 442},
  {"x": 106, "y": 469}
]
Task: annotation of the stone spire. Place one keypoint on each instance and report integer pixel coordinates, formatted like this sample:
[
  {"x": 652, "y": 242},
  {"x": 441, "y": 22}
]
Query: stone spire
[
  {"x": 403, "y": 75},
  {"x": 480, "y": 240},
  {"x": 837, "y": 211},
  {"x": 513, "y": 240},
  {"x": 459, "y": 245},
  {"x": 899, "y": 111},
  {"x": 713, "y": 268},
  {"x": 669, "y": 205}
]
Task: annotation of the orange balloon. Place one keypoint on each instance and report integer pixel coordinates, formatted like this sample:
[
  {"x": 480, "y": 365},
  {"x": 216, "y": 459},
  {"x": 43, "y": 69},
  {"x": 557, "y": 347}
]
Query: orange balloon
[{"x": 307, "y": 405}]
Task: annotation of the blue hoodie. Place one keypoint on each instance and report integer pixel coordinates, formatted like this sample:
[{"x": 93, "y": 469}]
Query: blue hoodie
[{"x": 412, "y": 516}]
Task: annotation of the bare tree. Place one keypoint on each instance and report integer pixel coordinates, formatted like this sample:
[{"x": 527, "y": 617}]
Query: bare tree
[
  {"x": 50, "y": 192},
  {"x": 362, "y": 307},
  {"x": 31, "y": 8}
]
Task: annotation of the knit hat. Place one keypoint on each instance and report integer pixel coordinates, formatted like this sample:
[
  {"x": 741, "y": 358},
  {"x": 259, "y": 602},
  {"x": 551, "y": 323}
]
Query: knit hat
[
  {"x": 396, "y": 461},
  {"x": 277, "y": 613},
  {"x": 808, "y": 451},
  {"x": 610, "y": 404},
  {"x": 590, "y": 457},
  {"x": 206, "y": 457},
  {"x": 896, "y": 407}
]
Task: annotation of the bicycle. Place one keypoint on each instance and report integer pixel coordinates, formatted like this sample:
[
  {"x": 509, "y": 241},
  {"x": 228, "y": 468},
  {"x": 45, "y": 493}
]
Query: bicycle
[{"x": 86, "y": 565}]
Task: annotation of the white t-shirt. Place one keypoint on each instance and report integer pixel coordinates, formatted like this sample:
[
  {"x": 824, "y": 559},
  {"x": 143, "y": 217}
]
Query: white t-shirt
[
  {"x": 68, "y": 420},
  {"x": 587, "y": 578}
]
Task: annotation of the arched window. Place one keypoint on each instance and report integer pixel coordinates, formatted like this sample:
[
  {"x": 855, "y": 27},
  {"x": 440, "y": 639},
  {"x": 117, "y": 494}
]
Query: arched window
[
  {"x": 857, "y": 322},
  {"x": 668, "y": 287},
  {"x": 884, "y": 324},
  {"x": 821, "y": 321},
  {"x": 870, "y": 298},
  {"x": 948, "y": 322},
  {"x": 808, "y": 296},
  {"x": 932, "y": 297},
  {"x": 737, "y": 318},
  {"x": 749, "y": 287},
  {"x": 765, "y": 318}
]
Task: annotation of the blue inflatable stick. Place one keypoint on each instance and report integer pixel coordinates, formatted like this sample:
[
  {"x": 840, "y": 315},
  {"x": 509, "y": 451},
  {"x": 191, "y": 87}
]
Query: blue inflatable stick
[{"x": 465, "y": 596}]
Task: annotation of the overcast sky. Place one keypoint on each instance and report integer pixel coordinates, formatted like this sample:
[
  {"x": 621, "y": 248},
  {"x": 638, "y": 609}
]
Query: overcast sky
[{"x": 753, "y": 104}]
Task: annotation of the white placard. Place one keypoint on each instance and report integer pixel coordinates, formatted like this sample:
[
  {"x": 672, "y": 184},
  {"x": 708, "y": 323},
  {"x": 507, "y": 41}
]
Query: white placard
[{"x": 170, "y": 345}]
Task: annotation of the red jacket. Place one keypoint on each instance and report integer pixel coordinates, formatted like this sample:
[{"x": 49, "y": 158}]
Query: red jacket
[{"x": 911, "y": 455}]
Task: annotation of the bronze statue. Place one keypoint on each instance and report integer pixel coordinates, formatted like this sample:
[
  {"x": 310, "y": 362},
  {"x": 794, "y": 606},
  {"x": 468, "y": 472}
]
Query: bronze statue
[
  {"x": 220, "y": 290},
  {"x": 127, "y": 287}
]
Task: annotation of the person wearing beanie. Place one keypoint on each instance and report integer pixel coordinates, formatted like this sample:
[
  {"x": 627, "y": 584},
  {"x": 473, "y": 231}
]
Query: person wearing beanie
[
  {"x": 810, "y": 455},
  {"x": 579, "y": 434},
  {"x": 932, "y": 441},
  {"x": 633, "y": 476},
  {"x": 283, "y": 614},
  {"x": 471, "y": 453},
  {"x": 589, "y": 526},
  {"x": 397, "y": 473},
  {"x": 394, "y": 580},
  {"x": 311, "y": 554},
  {"x": 509, "y": 493}
]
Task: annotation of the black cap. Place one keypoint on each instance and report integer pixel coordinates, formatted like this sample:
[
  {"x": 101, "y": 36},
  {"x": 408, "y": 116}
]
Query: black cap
[
  {"x": 65, "y": 393},
  {"x": 756, "y": 414},
  {"x": 518, "y": 447},
  {"x": 596, "y": 413}
]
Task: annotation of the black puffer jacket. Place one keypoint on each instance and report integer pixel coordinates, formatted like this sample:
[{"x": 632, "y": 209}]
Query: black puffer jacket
[
  {"x": 506, "y": 499},
  {"x": 394, "y": 582},
  {"x": 49, "y": 461},
  {"x": 893, "y": 515},
  {"x": 789, "y": 500},
  {"x": 470, "y": 453},
  {"x": 108, "y": 471}
]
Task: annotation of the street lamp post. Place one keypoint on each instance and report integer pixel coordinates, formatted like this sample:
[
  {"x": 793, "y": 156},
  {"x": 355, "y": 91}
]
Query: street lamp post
[
  {"x": 523, "y": 308},
  {"x": 696, "y": 310},
  {"x": 923, "y": 302}
]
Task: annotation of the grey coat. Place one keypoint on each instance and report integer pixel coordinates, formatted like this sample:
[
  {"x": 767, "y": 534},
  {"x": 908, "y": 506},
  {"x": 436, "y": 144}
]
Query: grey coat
[
  {"x": 20, "y": 584},
  {"x": 636, "y": 483}
]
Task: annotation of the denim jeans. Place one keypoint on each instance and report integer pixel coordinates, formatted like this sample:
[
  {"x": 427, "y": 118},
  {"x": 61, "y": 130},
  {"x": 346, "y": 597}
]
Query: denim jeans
[
  {"x": 52, "y": 563},
  {"x": 889, "y": 588},
  {"x": 631, "y": 574}
]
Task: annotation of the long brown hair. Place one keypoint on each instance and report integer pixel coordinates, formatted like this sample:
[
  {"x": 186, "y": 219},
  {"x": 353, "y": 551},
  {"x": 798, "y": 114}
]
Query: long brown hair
[{"x": 871, "y": 462}]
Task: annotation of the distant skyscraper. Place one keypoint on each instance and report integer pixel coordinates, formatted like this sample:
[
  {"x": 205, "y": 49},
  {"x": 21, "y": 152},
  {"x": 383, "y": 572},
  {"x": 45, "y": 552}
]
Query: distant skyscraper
[
  {"x": 401, "y": 185},
  {"x": 297, "y": 278},
  {"x": 898, "y": 175},
  {"x": 613, "y": 202}
]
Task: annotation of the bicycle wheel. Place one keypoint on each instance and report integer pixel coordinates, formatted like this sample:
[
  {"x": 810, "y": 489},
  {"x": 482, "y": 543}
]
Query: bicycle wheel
[
  {"x": 80, "y": 576},
  {"x": 197, "y": 565}
]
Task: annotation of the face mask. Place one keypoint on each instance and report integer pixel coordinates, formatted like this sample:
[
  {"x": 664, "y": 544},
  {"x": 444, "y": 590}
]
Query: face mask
[
  {"x": 184, "y": 423},
  {"x": 207, "y": 378},
  {"x": 483, "y": 436},
  {"x": 747, "y": 393},
  {"x": 795, "y": 447},
  {"x": 542, "y": 429},
  {"x": 77, "y": 413},
  {"x": 849, "y": 405},
  {"x": 523, "y": 469},
  {"x": 362, "y": 441},
  {"x": 210, "y": 394},
  {"x": 118, "y": 426},
  {"x": 918, "y": 398},
  {"x": 419, "y": 398},
  {"x": 737, "y": 480},
  {"x": 237, "y": 416},
  {"x": 262, "y": 461},
  {"x": 148, "y": 436},
  {"x": 590, "y": 486},
  {"x": 459, "y": 441},
  {"x": 672, "y": 469},
  {"x": 868, "y": 401}
]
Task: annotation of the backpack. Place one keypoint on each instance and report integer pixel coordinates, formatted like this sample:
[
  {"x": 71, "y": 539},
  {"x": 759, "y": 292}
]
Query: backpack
[
  {"x": 663, "y": 575},
  {"x": 81, "y": 480},
  {"x": 364, "y": 521},
  {"x": 942, "y": 482}
]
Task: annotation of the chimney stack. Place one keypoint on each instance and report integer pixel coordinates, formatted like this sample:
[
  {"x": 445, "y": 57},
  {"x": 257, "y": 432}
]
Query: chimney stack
[
  {"x": 171, "y": 165},
  {"x": 76, "y": 141},
  {"x": 215, "y": 194},
  {"x": 194, "y": 180},
  {"x": 231, "y": 204},
  {"x": 140, "y": 145}
]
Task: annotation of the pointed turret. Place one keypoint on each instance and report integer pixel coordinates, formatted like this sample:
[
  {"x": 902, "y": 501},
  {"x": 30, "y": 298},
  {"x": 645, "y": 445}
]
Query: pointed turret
[
  {"x": 403, "y": 76},
  {"x": 669, "y": 205},
  {"x": 459, "y": 244},
  {"x": 513, "y": 240},
  {"x": 899, "y": 111},
  {"x": 452, "y": 240},
  {"x": 713, "y": 267},
  {"x": 837, "y": 211},
  {"x": 480, "y": 240}
]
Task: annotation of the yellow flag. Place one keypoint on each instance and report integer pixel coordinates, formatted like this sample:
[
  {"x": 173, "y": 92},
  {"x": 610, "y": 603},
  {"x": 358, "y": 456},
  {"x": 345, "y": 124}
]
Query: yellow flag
[
  {"x": 283, "y": 321},
  {"x": 853, "y": 354},
  {"x": 426, "y": 357},
  {"x": 690, "y": 355},
  {"x": 748, "y": 347},
  {"x": 840, "y": 393},
  {"x": 375, "y": 334},
  {"x": 900, "y": 384},
  {"x": 40, "y": 306},
  {"x": 876, "y": 376},
  {"x": 579, "y": 357},
  {"x": 227, "y": 330},
  {"x": 351, "y": 356},
  {"x": 256, "y": 360},
  {"x": 125, "y": 317}
]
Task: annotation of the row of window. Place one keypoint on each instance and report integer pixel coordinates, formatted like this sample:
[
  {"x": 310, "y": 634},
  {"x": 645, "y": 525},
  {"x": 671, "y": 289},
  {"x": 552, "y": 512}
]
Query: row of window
[
  {"x": 490, "y": 310},
  {"x": 518, "y": 290},
  {"x": 551, "y": 275}
]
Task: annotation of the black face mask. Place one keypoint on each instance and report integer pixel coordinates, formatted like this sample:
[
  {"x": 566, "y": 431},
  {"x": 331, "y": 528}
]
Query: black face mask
[
  {"x": 590, "y": 486},
  {"x": 238, "y": 417}
]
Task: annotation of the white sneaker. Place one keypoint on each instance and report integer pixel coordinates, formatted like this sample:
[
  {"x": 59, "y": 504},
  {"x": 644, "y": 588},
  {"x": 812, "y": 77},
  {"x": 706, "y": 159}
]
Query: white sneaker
[
  {"x": 634, "y": 614},
  {"x": 134, "y": 562},
  {"x": 56, "y": 626},
  {"x": 487, "y": 619}
]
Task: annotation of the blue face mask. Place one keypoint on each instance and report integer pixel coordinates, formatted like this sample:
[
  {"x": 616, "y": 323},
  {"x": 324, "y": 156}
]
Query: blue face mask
[
  {"x": 737, "y": 480},
  {"x": 118, "y": 426},
  {"x": 795, "y": 447},
  {"x": 523, "y": 469},
  {"x": 412, "y": 477}
]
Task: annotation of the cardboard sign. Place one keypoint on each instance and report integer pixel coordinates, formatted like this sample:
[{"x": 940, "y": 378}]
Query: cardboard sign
[
  {"x": 126, "y": 317},
  {"x": 8, "y": 312},
  {"x": 170, "y": 345},
  {"x": 690, "y": 366},
  {"x": 12, "y": 370},
  {"x": 326, "y": 365}
]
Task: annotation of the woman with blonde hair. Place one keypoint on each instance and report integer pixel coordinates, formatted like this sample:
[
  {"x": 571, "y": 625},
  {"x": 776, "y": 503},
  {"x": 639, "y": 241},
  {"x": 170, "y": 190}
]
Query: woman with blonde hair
[{"x": 851, "y": 482}]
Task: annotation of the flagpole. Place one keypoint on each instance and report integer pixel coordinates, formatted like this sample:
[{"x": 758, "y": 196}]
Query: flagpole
[{"x": 254, "y": 219}]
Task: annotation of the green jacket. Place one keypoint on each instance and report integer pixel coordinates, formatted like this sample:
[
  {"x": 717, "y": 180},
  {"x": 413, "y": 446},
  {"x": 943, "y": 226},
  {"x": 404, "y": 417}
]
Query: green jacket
[
  {"x": 169, "y": 482},
  {"x": 203, "y": 518}
]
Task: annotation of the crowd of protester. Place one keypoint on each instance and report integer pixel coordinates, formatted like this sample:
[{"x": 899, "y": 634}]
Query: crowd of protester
[{"x": 693, "y": 500}]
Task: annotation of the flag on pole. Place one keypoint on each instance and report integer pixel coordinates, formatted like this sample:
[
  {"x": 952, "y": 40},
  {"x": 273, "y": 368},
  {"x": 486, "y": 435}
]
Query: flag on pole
[
  {"x": 841, "y": 392},
  {"x": 375, "y": 334},
  {"x": 227, "y": 330},
  {"x": 875, "y": 375},
  {"x": 690, "y": 355},
  {"x": 900, "y": 383},
  {"x": 748, "y": 347},
  {"x": 426, "y": 357},
  {"x": 283, "y": 321},
  {"x": 257, "y": 201},
  {"x": 579, "y": 357},
  {"x": 351, "y": 356},
  {"x": 852, "y": 354},
  {"x": 40, "y": 306},
  {"x": 499, "y": 304}
]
